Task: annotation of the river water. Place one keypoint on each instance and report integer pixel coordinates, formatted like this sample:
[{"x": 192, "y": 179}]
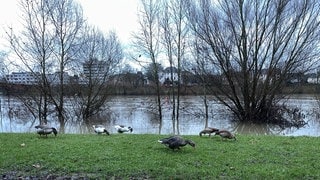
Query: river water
[{"x": 138, "y": 112}]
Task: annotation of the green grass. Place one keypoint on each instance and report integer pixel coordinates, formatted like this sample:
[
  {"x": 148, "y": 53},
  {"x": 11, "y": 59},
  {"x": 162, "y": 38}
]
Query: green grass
[{"x": 133, "y": 156}]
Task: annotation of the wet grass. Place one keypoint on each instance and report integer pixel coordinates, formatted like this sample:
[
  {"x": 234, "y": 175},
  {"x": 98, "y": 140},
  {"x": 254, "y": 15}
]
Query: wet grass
[{"x": 132, "y": 156}]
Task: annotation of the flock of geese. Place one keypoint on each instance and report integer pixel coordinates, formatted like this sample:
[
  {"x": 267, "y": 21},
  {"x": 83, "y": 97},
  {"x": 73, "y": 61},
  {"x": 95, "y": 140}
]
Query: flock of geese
[
  {"x": 175, "y": 142},
  {"x": 172, "y": 142},
  {"x": 99, "y": 129}
]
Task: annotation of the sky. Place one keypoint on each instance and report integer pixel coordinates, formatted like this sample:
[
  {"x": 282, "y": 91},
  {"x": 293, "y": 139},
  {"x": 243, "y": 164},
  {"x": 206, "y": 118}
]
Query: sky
[{"x": 117, "y": 15}]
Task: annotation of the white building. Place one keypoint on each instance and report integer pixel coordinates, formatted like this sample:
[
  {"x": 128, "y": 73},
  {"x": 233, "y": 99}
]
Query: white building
[
  {"x": 26, "y": 78},
  {"x": 29, "y": 78},
  {"x": 55, "y": 78},
  {"x": 165, "y": 75},
  {"x": 95, "y": 69},
  {"x": 313, "y": 78}
]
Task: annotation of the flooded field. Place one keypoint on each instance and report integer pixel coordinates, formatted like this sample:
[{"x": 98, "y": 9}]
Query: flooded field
[{"x": 137, "y": 112}]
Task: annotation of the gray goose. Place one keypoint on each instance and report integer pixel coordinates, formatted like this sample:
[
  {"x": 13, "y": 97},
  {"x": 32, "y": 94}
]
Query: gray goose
[
  {"x": 224, "y": 134},
  {"x": 45, "y": 130},
  {"x": 175, "y": 142},
  {"x": 208, "y": 130}
]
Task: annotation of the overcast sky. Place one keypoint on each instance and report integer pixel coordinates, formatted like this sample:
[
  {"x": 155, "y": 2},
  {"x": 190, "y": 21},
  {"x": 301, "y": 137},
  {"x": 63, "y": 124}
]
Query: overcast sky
[{"x": 118, "y": 15}]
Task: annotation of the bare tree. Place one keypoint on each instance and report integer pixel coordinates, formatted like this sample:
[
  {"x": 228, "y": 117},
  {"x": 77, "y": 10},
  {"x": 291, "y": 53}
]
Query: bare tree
[
  {"x": 255, "y": 46},
  {"x": 146, "y": 41},
  {"x": 174, "y": 33},
  {"x": 47, "y": 44},
  {"x": 67, "y": 21},
  {"x": 33, "y": 48},
  {"x": 199, "y": 65},
  {"x": 100, "y": 56}
]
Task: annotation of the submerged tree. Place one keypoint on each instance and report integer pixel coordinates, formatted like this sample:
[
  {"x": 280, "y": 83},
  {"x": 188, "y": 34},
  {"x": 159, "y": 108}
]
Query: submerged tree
[
  {"x": 146, "y": 41},
  {"x": 46, "y": 46},
  {"x": 67, "y": 20},
  {"x": 199, "y": 65},
  {"x": 33, "y": 49},
  {"x": 255, "y": 46},
  {"x": 174, "y": 31},
  {"x": 100, "y": 57}
]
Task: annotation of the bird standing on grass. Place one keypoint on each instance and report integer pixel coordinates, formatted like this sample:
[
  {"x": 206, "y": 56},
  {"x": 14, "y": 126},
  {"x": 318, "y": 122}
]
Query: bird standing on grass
[
  {"x": 208, "y": 130},
  {"x": 45, "y": 130},
  {"x": 99, "y": 129},
  {"x": 122, "y": 128},
  {"x": 175, "y": 142},
  {"x": 224, "y": 134}
]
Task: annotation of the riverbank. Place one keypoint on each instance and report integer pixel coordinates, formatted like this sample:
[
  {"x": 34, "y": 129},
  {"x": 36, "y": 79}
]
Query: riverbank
[
  {"x": 71, "y": 90},
  {"x": 133, "y": 156}
]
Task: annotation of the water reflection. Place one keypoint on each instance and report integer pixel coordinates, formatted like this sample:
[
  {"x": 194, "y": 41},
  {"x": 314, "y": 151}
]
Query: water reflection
[
  {"x": 138, "y": 112},
  {"x": 246, "y": 128}
]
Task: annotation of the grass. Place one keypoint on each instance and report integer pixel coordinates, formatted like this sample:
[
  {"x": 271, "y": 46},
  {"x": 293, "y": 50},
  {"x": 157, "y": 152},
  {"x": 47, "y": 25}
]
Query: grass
[{"x": 136, "y": 156}]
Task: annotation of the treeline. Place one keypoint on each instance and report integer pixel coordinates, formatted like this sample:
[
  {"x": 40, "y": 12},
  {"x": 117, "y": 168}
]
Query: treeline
[{"x": 72, "y": 90}]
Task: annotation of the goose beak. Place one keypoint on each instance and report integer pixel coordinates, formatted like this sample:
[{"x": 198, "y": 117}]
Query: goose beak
[{"x": 194, "y": 146}]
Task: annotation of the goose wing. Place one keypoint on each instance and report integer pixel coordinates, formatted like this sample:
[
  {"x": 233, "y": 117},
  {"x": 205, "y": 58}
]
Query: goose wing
[
  {"x": 171, "y": 141},
  {"x": 41, "y": 126},
  {"x": 44, "y": 131}
]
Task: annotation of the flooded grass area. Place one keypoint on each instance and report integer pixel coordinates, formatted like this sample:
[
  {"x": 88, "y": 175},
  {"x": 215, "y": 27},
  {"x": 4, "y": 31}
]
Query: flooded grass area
[{"x": 136, "y": 111}]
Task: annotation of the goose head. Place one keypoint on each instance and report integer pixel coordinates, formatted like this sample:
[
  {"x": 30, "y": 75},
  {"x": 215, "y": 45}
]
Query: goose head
[
  {"x": 191, "y": 143},
  {"x": 55, "y": 132}
]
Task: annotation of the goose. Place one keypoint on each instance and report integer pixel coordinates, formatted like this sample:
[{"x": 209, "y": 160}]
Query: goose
[
  {"x": 122, "y": 128},
  {"x": 224, "y": 134},
  {"x": 175, "y": 142},
  {"x": 41, "y": 126},
  {"x": 208, "y": 130},
  {"x": 45, "y": 130},
  {"x": 99, "y": 129}
]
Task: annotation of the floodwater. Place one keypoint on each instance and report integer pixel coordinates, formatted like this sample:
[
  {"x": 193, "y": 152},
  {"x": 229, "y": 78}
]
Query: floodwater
[{"x": 138, "y": 112}]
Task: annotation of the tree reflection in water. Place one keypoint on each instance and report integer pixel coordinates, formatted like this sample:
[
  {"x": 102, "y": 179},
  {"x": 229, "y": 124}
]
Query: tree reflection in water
[{"x": 135, "y": 111}]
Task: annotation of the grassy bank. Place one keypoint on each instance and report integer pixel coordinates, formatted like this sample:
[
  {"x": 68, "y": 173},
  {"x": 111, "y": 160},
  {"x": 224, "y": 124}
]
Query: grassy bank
[{"x": 124, "y": 156}]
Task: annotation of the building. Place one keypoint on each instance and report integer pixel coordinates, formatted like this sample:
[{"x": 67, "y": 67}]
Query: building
[
  {"x": 313, "y": 78},
  {"x": 27, "y": 78},
  {"x": 31, "y": 78},
  {"x": 165, "y": 75},
  {"x": 55, "y": 78},
  {"x": 95, "y": 69}
]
